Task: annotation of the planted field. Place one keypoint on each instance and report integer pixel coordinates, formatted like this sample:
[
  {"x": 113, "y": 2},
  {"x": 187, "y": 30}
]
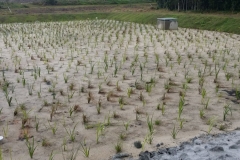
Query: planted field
[{"x": 96, "y": 87}]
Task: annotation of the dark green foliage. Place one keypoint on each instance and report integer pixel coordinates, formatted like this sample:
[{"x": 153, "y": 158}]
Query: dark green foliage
[
  {"x": 94, "y": 2},
  {"x": 237, "y": 93},
  {"x": 200, "y": 5},
  {"x": 1, "y": 5},
  {"x": 51, "y": 2},
  {"x": 5, "y": 4}
]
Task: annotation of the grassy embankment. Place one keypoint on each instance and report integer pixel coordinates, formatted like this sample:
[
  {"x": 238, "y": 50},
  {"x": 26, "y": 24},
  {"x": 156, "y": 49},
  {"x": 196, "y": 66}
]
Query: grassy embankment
[{"x": 215, "y": 22}]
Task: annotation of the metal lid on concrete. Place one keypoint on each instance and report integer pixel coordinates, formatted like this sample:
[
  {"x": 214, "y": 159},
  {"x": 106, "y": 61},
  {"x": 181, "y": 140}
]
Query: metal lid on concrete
[{"x": 168, "y": 18}]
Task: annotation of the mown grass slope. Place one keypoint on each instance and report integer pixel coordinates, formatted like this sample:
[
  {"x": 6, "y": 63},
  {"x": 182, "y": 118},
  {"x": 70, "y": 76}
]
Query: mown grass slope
[{"x": 214, "y": 22}]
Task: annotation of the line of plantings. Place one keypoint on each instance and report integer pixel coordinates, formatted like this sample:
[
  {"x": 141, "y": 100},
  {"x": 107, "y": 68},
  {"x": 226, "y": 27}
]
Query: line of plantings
[{"x": 72, "y": 86}]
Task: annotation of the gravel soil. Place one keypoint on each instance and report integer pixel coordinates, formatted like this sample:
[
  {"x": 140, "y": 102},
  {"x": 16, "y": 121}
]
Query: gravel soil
[{"x": 205, "y": 147}]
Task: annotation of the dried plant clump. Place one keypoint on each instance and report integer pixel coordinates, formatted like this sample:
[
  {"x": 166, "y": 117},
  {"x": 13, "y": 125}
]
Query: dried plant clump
[
  {"x": 61, "y": 92},
  {"x": 109, "y": 95},
  {"x": 84, "y": 118},
  {"x": 116, "y": 115},
  {"x": 52, "y": 112},
  {"x": 90, "y": 85},
  {"x": 90, "y": 97},
  {"x": 77, "y": 108},
  {"x": 45, "y": 142},
  {"x": 71, "y": 86}
]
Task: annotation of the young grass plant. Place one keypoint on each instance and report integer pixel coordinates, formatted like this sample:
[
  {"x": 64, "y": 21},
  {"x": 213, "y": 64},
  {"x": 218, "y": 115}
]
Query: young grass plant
[
  {"x": 108, "y": 118},
  {"x": 36, "y": 124},
  {"x": 203, "y": 93},
  {"x": 141, "y": 70},
  {"x": 211, "y": 123},
  {"x": 100, "y": 128},
  {"x": 85, "y": 150},
  {"x": 92, "y": 67},
  {"x": 129, "y": 92},
  {"x": 23, "y": 81},
  {"x": 150, "y": 125},
  {"x": 115, "y": 70},
  {"x": 71, "y": 111},
  {"x": 30, "y": 89},
  {"x": 121, "y": 102},
  {"x": 157, "y": 122},
  {"x": 70, "y": 95},
  {"x": 51, "y": 156},
  {"x": 216, "y": 73},
  {"x": 149, "y": 138},
  {"x": 71, "y": 132},
  {"x": 5, "y": 131},
  {"x": 99, "y": 105},
  {"x": 148, "y": 87},
  {"x": 201, "y": 113},
  {"x": 25, "y": 116},
  {"x": 118, "y": 147},
  {"x": 161, "y": 107},
  {"x": 73, "y": 153},
  {"x": 180, "y": 107},
  {"x": 7, "y": 96},
  {"x": 226, "y": 110},
  {"x": 123, "y": 136},
  {"x": 39, "y": 92},
  {"x": 53, "y": 128},
  {"x": 65, "y": 77},
  {"x": 64, "y": 144},
  {"x": 181, "y": 122},
  {"x": 237, "y": 93},
  {"x": 31, "y": 147},
  {"x": 206, "y": 103},
  {"x": 167, "y": 86},
  {"x": 126, "y": 125},
  {"x": 174, "y": 132}
]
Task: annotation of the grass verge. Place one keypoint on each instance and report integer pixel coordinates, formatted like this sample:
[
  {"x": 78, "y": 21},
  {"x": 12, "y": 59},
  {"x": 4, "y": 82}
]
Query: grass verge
[{"x": 211, "y": 22}]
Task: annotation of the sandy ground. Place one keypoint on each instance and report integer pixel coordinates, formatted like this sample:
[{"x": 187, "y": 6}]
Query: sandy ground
[{"x": 95, "y": 56}]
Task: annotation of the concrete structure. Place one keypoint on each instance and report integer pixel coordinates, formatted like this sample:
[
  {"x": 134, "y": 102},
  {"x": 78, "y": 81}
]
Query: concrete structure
[{"x": 167, "y": 23}]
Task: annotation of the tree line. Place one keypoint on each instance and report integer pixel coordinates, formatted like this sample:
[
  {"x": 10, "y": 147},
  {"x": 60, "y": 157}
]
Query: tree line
[
  {"x": 92, "y": 2},
  {"x": 200, "y": 5}
]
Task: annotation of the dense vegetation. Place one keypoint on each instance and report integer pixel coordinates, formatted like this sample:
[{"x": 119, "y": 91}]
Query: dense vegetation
[
  {"x": 180, "y": 5},
  {"x": 197, "y": 5},
  {"x": 92, "y": 2},
  {"x": 4, "y": 5},
  {"x": 200, "y": 5},
  {"x": 198, "y": 21}
]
